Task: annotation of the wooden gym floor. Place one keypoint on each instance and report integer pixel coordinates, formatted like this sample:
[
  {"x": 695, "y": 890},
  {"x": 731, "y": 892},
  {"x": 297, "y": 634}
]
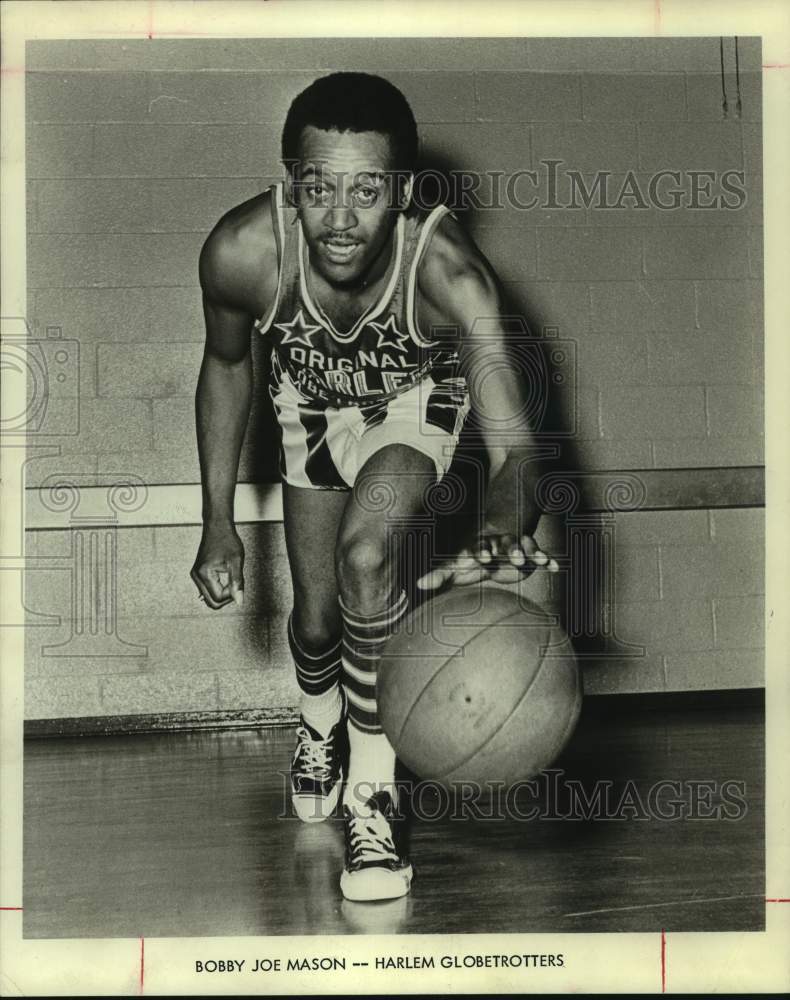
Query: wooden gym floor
[{"x": 178, "y": 835}]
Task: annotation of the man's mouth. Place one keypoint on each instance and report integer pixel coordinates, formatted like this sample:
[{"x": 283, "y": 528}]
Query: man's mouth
[{"x": 340, "y": 250}]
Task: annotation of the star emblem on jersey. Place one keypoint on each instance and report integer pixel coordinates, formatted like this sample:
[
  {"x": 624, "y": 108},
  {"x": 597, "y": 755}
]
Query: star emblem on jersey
[
  {"x": 390, "y": 335},
  {"x": 298, "y": 331}
]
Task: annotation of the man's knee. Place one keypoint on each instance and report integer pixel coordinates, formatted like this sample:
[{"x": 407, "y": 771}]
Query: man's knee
[{"x": 362, "y": 562}]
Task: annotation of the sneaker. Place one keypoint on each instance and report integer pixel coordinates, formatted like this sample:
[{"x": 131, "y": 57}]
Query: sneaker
[
  {"x": 373, "y": 868},
  {"x": 317, "y": 770}
]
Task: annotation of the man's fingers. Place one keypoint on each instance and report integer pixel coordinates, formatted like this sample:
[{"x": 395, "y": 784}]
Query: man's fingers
[
  {"x": 537, "y": 555},
  {"x": 206, "y": 595},
  {"x": 211, "y": 588},
  {"x": 236, "y": 582},
  {"x": 486, "y": 550},
  {"x": 435, "y": 579},
  {"x": 463, "y": 563}
]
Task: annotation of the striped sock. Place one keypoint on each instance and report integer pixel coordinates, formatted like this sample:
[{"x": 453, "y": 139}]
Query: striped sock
[
  {"x": 372, "y": 759},
  {"x": 318, "y": 676}
]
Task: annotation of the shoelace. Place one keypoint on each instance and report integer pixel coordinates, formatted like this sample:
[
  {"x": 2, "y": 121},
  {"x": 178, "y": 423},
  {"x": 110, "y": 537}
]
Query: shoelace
[
  {"x": 371, "y": 839},
  {"x": 314, "y": 756}
]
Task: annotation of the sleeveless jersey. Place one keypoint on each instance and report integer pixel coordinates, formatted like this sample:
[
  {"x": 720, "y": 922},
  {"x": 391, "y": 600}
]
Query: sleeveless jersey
[{"x": 383, "y": 354}]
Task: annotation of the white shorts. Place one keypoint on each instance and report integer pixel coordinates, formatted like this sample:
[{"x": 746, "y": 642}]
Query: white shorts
[{"x": 324, "y": 447}]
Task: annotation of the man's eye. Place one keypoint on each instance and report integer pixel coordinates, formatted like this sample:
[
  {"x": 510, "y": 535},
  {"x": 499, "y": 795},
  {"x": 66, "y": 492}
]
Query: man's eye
[
  {"x": 366, "y": 196},
  {"x": 314, "y": 191}
]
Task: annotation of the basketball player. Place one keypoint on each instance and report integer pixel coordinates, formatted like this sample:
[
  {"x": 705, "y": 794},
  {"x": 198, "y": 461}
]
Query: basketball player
[{"x": 369, "y": 307}]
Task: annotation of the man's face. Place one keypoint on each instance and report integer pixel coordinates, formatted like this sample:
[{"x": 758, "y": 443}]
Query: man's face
[{"x": 345, "y": 192}]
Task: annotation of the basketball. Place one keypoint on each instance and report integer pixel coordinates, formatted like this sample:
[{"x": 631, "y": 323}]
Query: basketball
[{"x": 478, "y": 685}]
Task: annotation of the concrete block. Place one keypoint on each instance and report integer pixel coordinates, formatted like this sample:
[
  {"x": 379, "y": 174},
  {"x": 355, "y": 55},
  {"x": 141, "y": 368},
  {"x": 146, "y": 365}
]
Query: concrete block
[
  {"x": 83, "y": 260},
  {"x": 666, "y": 626},
  {"x": 668, "y": 528},
  {"x": 512, "y": 252},
  {"x": 719, "y": 670},
  {"x": 58, "y": 151},
  {"x": 619, "y": 454},
  {"x": 174, "y": 424},
  {"x": 639, "y": 306},
  {"x": 50, "y": 468},
  {"x": 173, "y": 466},
  {"x": 248, "y": 96},
  {"x": 64, "y": 697},
  {"x": 216, "y": 641},
  {"x": 740, "y": 622},
  {"x": 48, "y": 592},
  {"x": 47, "y": 655},
  {"x": 171, "y": 150},
  {"x": 696, "y": 252},
  {"x": 613, "y": 97},
  {"x": 437, "y": 97},
  {"x": 475, "y": 146},
  {"x": 133, "y": 205},
  {"x": 148, "y": 370},
  {"x": 257, "y": 689},
  {"x": 586, "y": 147},
  {"x": 734, "y": 307},
  {"x": 613, "y": 359},
  {"x": 163, "y": 691},
  {"x": 636, "y": 576},
  {"x": 109, "y": 425},
  {"x": 735, "y": 406},
  {"x": 562, "y": 304},
  {"x": 690, "y": 146},
  {"x": 105, "y": 96},
  {"x": 528, "y": 97},
  {"x": 120, "y": 315},
  {"x": 47, "y": 544},
  {"x": 722, "y": 568},
  {"x": 578, "y": 252},
  {"x": 653, "y": 412},
  {"x": 714, "y": 452},
  {"x": 694, "y": 357},
  {"x": 106, "y": 425},
  {"x": 746, "y": 523}
]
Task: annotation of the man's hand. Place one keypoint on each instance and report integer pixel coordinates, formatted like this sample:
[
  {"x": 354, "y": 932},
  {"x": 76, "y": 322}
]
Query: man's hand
[
  {"x": 218, "y": 569},
  {"x": 494, "y": 556}
]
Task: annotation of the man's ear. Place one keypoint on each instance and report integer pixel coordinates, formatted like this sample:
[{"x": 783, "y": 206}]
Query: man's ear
[
  {"x": 290, "y": 189},
  {"x": 406, "y": 190}
]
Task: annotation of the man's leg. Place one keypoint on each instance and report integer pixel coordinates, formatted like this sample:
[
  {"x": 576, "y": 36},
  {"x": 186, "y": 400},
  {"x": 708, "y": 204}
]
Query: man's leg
[
  {"x": 311, "y": 521},
  {"x": 372, "y": 604}
]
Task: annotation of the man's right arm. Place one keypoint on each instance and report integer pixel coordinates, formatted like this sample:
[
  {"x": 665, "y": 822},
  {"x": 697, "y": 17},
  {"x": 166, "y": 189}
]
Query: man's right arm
[
  {"x": 224, "y": 390},
  {"x": 222, "y": 407}
]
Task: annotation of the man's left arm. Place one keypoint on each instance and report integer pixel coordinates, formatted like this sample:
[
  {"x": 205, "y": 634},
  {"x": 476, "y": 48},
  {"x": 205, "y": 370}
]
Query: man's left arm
[{"x": 464, "y": 289}]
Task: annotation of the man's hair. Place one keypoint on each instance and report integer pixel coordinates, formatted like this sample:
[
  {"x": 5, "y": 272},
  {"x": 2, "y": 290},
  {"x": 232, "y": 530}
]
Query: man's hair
[{"x": 353, "y": 102}]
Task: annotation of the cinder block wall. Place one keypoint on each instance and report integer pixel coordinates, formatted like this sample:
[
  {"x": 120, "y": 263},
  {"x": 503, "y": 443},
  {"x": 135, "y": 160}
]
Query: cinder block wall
[{"x": 134, "y": 149}]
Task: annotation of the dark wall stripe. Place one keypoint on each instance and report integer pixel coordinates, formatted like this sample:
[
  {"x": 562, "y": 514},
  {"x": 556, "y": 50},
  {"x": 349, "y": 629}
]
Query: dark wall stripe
[{"x": 623, "y": 705}]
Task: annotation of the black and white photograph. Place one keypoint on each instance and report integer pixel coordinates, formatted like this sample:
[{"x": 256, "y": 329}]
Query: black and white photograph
[{"x": 386, "y": 417}]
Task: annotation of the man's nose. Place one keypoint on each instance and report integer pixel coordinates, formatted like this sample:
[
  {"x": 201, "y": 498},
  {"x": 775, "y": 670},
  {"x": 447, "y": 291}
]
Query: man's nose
[{"x": 340, "y": 218}]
